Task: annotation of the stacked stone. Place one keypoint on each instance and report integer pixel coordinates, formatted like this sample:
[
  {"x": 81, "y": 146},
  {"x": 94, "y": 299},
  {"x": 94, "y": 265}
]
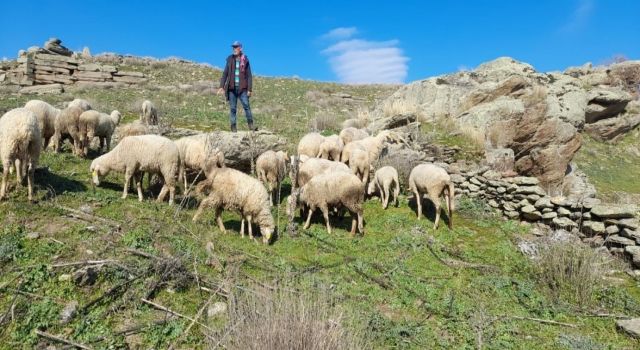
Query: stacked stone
[
  {"x": 611, "y": 225},
  {"x": 42, "y": 66}
]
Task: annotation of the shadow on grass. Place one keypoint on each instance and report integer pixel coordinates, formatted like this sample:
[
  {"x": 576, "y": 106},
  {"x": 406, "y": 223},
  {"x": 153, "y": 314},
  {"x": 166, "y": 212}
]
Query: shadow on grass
[
  {"x": 57, "y": 184},
  {"x": 429, "y": 210}
]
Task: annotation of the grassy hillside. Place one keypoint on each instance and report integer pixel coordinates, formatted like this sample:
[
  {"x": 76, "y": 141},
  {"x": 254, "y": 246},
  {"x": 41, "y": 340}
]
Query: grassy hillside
[{"x": 401, "y": 285}]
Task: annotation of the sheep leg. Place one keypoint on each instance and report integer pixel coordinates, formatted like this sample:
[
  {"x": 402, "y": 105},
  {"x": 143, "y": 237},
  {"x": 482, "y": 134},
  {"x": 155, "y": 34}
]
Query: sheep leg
[
  {"x": 127, "y": 179},
  {"x": 5, "y": 175},
  {"x": 108, "y": 142},
  {"x": 163, "y": 193},
  {"x": 436, "y": 204},
  {"x": 204, "y": 204},
  {"x": 242, "y": 226},
  {"x": 219, "y": 220},
  {"x": 172, "y": 194},
  {"x": 309, "y": 214},
  {"x": 250, "y": 228},
  {"x": 325, "y": 213},
  {"x": 138, "y": 179},
  {"x": 385, "y": 191},
  {"x": 30, "y": 174},
  {"x": 396, "y": 193},
  {"x": 418, "y": 198},
  {"x": 46, "y": 142},
  {"x": 447, "y": 199},
  {"x": 18, "y": 164}
]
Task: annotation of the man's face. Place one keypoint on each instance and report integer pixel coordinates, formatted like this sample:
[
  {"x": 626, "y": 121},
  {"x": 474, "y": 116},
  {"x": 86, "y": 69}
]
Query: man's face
[{"x": 237, "y": 50}]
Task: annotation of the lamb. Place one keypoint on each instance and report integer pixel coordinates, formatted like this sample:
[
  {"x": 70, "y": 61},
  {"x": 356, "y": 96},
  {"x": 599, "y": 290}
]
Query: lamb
[
  {"x": 80, "y": 103},
  {"x": 335, "y": 190},
  {"x": 136, "y": 155},
  {"x": 350, "y": 134},
  {"x": 373, "y": 144},
  {"x": 87, "y": 126},
  {"x": 20, "y": 145},
  {"x": 107, "y": 124},
  {"x": 47, "y": 115},
  {"x": 195, "y": 151},
  {"x": 66, "y": 127},
  {"x": 360, "y": 164},
  {"x": 331, "y": 148},
  {"x": 271, "y": 168},
  {"x": 316, "y": 166},
  {"x": 309, "y": 144},
  {"x": 435, "y": 182},
  {"x": 149, "y": 115},
  {"x": 232, "y": 189},
  {"x": 383, "y": 180}
]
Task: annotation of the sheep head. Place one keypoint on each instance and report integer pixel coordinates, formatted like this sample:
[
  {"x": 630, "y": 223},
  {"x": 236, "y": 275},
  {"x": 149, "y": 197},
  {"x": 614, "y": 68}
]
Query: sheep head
[
  {"x": 116, "y": 116},
  {"x": 97, "y": 170}
]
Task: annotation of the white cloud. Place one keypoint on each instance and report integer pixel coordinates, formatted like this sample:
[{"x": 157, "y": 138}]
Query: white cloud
[
  {"x": 340, "y": 33},
  {"x": 360, "y": 61},
  {"x": 579, "y": 17}
]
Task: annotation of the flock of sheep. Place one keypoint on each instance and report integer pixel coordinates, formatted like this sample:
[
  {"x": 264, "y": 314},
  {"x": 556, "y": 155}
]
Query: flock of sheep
[{"x": 332, "y": 173}]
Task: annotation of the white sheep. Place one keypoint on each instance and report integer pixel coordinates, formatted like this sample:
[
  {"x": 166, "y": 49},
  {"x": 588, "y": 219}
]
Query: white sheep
[
  {"x": 106, "y": 127},
  {"x": 195, "y": 151},
  {"x": 149, "y": 113},
  {"x": 331, "y": 148},
  {"x": 66, "y": 127},
  {"x": 373, "y": 144},
  {"x": 271, "y": 168},
  {"x": 385, "y": 178},
  {"x": 360, "y": 164},
  {"x": 231, "y": 189},
  {"x": 47, "y": 116},
  {"x": 20, "y": 145},
  {"x": 350, "y": 134},
  {"x": 135, "y": 128},
  {"x": 316, "y": 166},
  {"x": 309, "y": 144},
  {"x": 80, "y": 103},
  {"x": 331, "y": 190},
  {"x": 435, "y": 182},
  {"x": 136, "y": 155}
]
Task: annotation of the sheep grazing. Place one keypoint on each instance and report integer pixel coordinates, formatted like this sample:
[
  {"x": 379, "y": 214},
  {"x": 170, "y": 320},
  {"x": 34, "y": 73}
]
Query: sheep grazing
[
  {"x": 316, "y": 166},
  {"x": 135, "y": 128},
  {"x": 331, "y": 190},
  {"x": 20, "y": 145},
  {"x": 136, "y": 155},
  {"x": 47, "y": 115},
  {"x": 271, "y": 168},
  {"x": 350, "y": 134},
  {"x": 231, "y": 189},
  {"x": 309, "y": 144},
  {"x": 360, "y": 164},
  {"x": 385, "y": 178},
  {"x": 149, "y": 113},
  {"x": 106, "y": 127},
  {"x": 66, "y": 127},
  {"x": 196, "y": 151},
  {"x": 330, "y": 148},
  {"x": 87, "y": 126},
  {"x": 80, "y": 103},
  {"x": 435, "y": 182}
]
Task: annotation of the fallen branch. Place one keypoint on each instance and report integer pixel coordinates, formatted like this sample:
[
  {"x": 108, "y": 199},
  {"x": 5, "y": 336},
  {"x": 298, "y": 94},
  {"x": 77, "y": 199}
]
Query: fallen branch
[
  {"x": 165, "y": 309},
  {"x": 108, "y": 293},
  {"x": 198, "y": 315},
  {"x": 543, "y": 321},
  {"x": 83, "y": 263},
  {"x": 61, "y": 340},
  {"x": 88, "y": 217}
]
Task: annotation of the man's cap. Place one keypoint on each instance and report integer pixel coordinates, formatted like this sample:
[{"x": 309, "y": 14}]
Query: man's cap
[{"x": 236, "y": 43}]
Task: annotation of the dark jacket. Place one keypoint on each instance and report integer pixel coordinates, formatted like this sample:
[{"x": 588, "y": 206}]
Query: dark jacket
[{"x": 227, "y": 81}]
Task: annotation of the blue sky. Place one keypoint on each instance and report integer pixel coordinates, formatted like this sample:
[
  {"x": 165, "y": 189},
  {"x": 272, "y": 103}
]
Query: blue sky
[{"x": 354, "y": 42}]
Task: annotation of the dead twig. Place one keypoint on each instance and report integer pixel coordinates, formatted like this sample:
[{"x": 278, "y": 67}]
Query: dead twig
[
  {"x": 165, "y": 309},
  {"x": 543, "y": 321},
  {"x": 61, "y": 340},
  {"x": 195, "y": 319},
  {"x": 83, "y": 263},
  {"x": 88, "y": 217}
]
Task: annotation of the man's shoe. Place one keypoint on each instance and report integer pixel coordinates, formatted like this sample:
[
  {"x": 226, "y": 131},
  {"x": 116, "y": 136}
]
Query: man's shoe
[
  {"x": 233, "y": 128},
  {"x": 252, "y": 128}
]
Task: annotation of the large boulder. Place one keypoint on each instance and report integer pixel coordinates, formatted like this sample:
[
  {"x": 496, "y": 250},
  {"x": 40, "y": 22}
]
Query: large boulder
[
  {"x": 242, "y": 148},
  {"x": 612, "y": 129},
  {"x": 605, "y": 103}
]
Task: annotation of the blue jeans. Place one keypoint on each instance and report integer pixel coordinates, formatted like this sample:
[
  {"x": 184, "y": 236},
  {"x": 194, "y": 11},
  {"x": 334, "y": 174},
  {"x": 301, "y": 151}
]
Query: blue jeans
[{"x": 233, "y": 103}]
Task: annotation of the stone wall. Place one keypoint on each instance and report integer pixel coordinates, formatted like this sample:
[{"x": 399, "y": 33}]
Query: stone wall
[{"x": 614, "y": 226}]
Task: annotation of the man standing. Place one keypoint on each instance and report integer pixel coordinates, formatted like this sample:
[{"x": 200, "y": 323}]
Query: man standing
[{"x": 237, "y": 83}]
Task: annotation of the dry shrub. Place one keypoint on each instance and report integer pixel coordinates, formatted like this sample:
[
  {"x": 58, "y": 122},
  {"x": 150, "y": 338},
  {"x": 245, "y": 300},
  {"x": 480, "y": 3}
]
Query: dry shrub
[
  {"x": 325, "y": 121},
  {"x": 570, "y": 271},
  {"x": 397, "y": 107},
  {"x": 363, "y": 116},
  {"x": 286, "y": 319},
  {"x": 474, "y": 134}
]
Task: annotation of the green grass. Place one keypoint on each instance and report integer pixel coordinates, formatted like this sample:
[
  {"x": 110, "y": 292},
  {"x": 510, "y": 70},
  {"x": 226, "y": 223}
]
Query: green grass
[
  {"x": 403, "y": 284},
  {"x": 612, "y": 168}
]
